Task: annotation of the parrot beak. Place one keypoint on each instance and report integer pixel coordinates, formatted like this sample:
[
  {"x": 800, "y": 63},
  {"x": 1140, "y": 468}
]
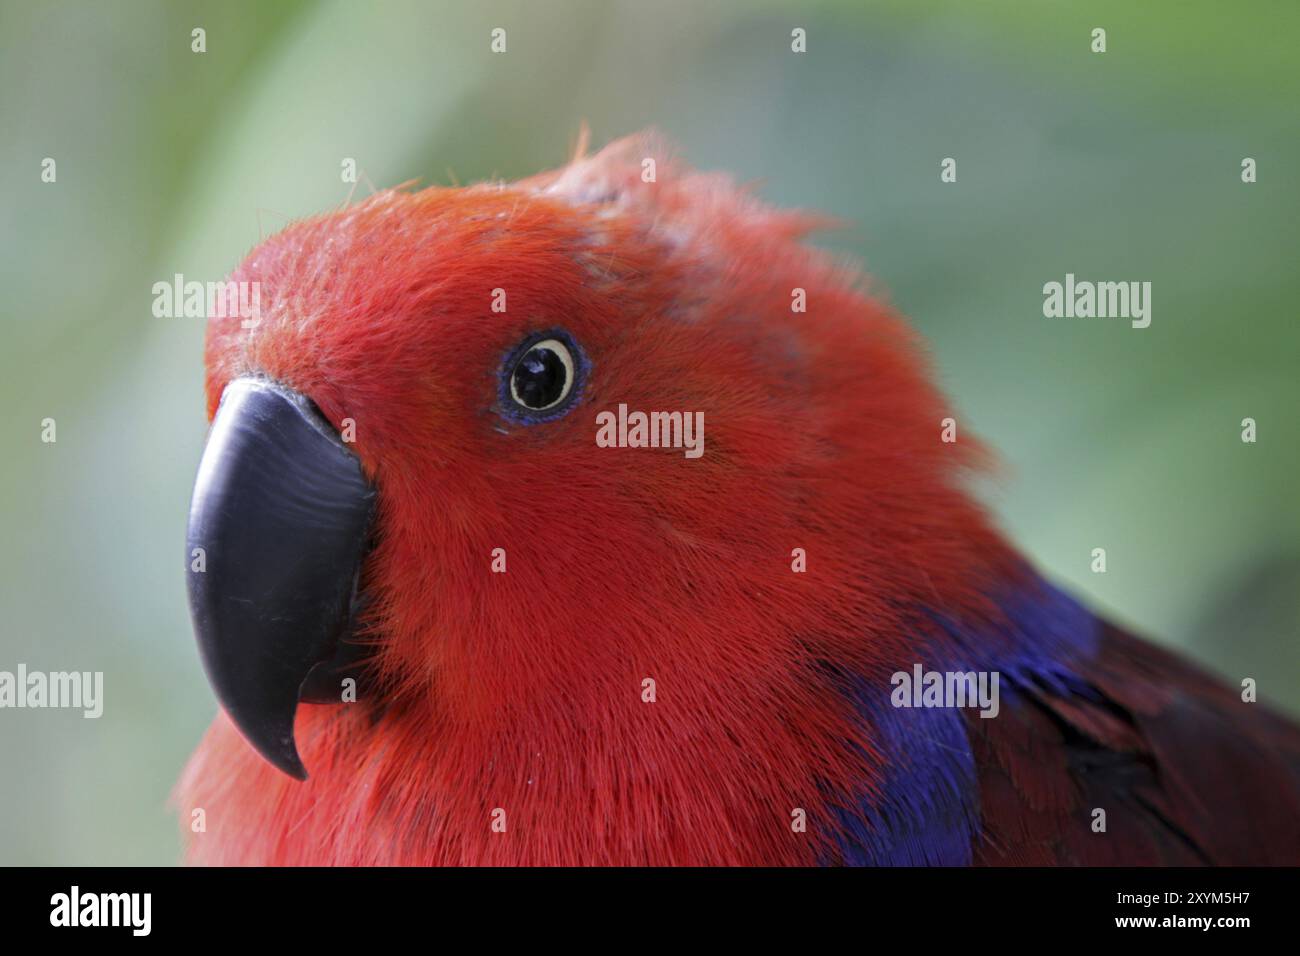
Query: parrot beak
[{"x": 282, "y": 513}]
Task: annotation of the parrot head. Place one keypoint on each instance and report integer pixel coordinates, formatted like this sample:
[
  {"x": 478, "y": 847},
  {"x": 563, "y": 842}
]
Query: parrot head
[{"x": 446, "y": 576}]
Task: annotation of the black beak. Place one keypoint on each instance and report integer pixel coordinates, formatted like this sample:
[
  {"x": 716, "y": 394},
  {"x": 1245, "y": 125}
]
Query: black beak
[{"x": 282, "y": 511}]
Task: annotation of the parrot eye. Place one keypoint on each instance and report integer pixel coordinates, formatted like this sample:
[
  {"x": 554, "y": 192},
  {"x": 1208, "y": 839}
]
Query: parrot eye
[{"x": 540, "y": 380}]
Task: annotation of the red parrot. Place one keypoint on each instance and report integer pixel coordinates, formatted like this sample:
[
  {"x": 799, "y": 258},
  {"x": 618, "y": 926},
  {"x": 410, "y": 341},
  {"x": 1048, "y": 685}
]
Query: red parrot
[{"x": 461, "y": 605}]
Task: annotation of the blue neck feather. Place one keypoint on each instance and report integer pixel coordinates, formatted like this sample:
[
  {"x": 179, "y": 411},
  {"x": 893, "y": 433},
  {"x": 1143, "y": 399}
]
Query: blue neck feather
[{"x": 927, "y": 811}]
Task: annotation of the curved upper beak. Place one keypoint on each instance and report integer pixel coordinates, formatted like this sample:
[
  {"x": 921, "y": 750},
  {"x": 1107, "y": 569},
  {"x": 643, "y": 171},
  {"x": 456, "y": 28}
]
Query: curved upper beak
[{"x": 282, "y": 512}]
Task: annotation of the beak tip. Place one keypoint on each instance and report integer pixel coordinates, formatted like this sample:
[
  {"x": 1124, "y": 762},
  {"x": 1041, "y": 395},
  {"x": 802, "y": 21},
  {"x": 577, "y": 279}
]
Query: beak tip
[
  {"x": 269, "y": 735},
  {"x": 286, "y": 759}
]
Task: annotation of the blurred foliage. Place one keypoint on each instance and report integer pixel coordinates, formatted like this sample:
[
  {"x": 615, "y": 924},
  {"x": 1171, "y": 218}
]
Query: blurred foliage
[{"x": 1119, "y": 166}]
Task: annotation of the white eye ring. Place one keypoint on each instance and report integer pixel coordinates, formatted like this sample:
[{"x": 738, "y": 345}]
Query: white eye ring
[{"x": 560, "y": 351}]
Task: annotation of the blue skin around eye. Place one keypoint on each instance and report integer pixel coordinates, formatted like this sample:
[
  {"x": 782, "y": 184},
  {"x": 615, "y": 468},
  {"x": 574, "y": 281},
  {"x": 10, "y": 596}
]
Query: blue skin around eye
[{"x": 511, "y": 410}]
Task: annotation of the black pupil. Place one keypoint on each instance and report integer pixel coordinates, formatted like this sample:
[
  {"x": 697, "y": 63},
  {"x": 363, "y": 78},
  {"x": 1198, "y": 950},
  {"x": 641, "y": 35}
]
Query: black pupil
[{"x": 539, "y": 378}]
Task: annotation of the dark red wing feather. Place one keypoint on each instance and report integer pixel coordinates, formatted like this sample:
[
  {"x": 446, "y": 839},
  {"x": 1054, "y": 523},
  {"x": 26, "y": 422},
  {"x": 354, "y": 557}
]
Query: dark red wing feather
[{"x": 1186, "y": 771}]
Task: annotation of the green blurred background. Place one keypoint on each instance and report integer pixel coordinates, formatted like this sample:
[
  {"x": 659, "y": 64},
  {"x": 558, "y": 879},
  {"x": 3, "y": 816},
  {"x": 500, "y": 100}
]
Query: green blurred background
[{"x": 1123, "y": 165}]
